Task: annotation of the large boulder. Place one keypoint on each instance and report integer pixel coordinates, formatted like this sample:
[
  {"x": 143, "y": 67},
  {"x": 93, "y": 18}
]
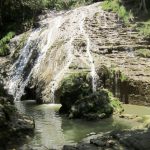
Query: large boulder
[
  {"x": 72, "y": 88},
  {"x": 13, "y": 126},
  {"x": 115, "y": 140},
  {"x": 98, "y": 105},
  {"x": 78, "y": 100}
]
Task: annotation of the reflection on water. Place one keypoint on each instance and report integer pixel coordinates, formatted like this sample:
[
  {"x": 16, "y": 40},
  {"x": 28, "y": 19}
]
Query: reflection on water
[{"x": 53, "y": 131}]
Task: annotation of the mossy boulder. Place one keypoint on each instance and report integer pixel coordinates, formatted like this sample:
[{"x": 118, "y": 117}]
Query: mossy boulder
[
  {"x": 74, "y": 87},
  {"x": 78, "y": 100},
  {"x": 98, "y": 105}
]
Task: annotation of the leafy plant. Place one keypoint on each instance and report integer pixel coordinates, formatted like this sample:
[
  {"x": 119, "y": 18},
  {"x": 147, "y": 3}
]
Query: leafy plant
[
  {"x": 144, "y": 28},
  {"x": 143, "y": 53},
  {"x": 116, "y": 6},
  {"x": 123, "y": 77},
  {"x": 4, "y": 44}
]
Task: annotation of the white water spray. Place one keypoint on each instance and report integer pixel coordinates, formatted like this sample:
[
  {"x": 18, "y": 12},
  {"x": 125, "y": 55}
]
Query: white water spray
[
  {"x": 17, "y": 83},
  {"x": 91, "y": 61}
]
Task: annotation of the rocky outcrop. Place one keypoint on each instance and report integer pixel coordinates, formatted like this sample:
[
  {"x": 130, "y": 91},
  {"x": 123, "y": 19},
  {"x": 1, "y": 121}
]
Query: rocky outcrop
[
  {"x": 13, "y": 126},
  {"x": 116, "y": 140},
  {"x": 79, "y": 101}
]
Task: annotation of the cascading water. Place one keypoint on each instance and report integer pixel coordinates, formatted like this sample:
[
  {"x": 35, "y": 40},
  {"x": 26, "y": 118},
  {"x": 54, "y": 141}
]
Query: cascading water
[
  {"x": 91, "y": 61},
  {"x": 39, "y": 40},
  {"x": 17, "y": 82},
  {"x": 49, "y": 35},
  {"x": 54, "y": 49}
]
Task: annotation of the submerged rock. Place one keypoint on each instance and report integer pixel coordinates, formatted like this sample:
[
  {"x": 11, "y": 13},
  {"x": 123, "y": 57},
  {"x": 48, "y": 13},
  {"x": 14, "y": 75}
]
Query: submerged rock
[
  {"x": 78, "y": 100},
  {"x": 116, "y": 140}
]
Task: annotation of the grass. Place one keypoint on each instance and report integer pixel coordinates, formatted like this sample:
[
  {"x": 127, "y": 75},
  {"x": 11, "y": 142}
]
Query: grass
[
  {"x": 117, "y": 7},
  {"x": 129, "y": 14},
  {"x": 143, "y": 53},
  {"x": 4, "y": 50},
  {"x": 144, "y": 28}
]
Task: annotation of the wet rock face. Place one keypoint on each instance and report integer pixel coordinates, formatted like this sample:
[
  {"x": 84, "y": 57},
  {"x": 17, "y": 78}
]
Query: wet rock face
[
  {"x": 117, "y": 140},
  {"x": 79, "y": 101},
  {"x": 13, "y": 126}
]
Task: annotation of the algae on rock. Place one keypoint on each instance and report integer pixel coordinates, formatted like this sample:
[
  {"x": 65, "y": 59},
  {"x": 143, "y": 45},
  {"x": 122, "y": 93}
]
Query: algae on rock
[{"x": 79, "y": 101}]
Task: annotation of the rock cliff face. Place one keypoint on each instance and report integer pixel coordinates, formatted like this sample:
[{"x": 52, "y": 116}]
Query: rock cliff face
[
  {"x": 86, "y": 39},
  {"x": 13, "y": 126}
]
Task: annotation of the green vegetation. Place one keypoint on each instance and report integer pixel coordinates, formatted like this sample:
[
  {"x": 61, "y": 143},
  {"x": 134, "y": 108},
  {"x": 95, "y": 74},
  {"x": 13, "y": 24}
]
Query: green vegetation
[
  {"x": 20, "y": 15},
  {"x": 3, "y": 44},
  {"x": 144, "y": 28},
  {"x": 123, "y": 77},
  {"x": 115, "y": 103},
  {"x": 133, "y": 13},
  {"x": 116, "y": 6},
  {"x": 79, "y": 101},
  {"x": 143, "y": 53}
]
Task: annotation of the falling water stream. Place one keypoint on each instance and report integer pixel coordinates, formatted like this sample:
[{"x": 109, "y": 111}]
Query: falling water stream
[
  {"x": 41, "y": 42},
  {"x": 91, "y": 61},
  {"x": 17, "y": 83}
]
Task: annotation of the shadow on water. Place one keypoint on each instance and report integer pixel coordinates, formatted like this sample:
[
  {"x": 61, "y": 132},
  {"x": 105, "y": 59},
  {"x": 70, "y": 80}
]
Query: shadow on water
[{"x": 53, "y": 131}]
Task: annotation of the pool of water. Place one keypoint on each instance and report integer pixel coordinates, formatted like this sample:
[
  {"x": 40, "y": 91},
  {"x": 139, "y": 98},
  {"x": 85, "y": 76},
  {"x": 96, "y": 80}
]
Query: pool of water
[
  {"x": 52, "y": 131},
  {"x": 136, "y": 110}
]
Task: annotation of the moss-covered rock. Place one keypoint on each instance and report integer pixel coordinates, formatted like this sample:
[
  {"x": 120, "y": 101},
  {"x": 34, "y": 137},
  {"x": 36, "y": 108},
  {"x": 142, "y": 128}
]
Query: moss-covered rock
[
  {"x": 74, "y": 87},
  {"x": 78, "y": 100},
  {"x": 98, "y": 105}
]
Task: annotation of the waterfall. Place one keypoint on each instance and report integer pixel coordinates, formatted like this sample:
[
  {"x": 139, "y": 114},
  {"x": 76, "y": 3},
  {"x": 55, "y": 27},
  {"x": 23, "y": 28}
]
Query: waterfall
[
  {"x": 91, "y": 61},
  {"x": 50, "y": 35},
  {"x": 50, "y": 50},
  {"x": 38, "y": 40},
  {"x": 17, "y": 82}
]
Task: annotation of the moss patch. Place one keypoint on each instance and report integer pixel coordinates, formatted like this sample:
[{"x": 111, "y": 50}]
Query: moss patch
[
  {"x": 4, "y": 50},
  {"x": 79, "y": 101},
  {"x": 143, "y": 53}
]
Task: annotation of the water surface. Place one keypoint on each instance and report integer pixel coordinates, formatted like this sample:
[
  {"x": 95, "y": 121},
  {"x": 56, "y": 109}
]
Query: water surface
[
  {"x": 136, "y": 110},
  {"x": 52, "y": 131}
]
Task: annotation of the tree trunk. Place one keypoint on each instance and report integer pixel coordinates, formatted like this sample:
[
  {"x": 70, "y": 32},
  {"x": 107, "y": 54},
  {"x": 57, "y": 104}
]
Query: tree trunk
[
  {"x": 143, "y": 5},
  {"x": 1, "y": 21}
]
